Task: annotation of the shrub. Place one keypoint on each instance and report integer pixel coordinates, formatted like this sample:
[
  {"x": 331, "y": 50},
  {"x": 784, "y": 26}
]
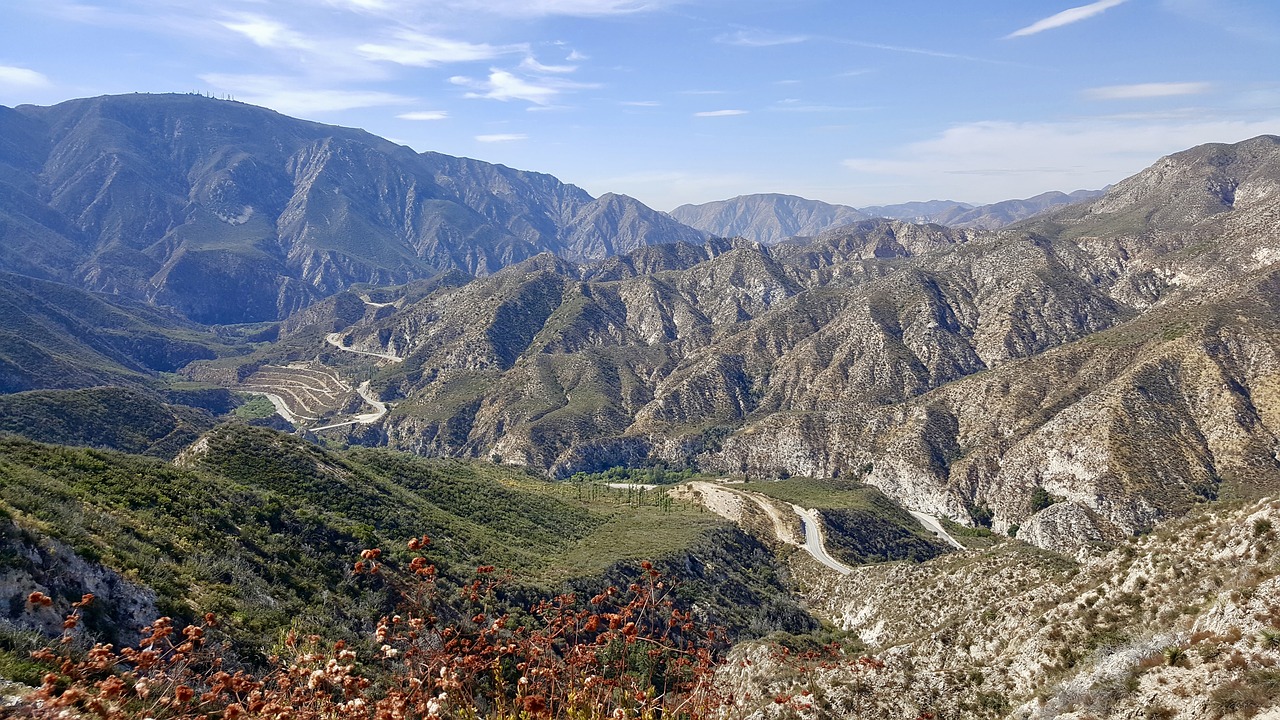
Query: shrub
[
  {"x": 627, "y": 653},
  {"x": 1041, "y": 499}
]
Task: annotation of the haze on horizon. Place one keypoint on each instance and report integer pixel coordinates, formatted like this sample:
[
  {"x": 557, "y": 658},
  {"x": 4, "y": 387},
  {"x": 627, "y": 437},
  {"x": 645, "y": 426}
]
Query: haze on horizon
[{"x": 676, "y": 101}]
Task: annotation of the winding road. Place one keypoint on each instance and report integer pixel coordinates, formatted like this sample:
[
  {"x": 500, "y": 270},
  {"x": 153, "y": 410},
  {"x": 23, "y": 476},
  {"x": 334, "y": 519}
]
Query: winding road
[
  {"x": 726, "y": 502},
  {"x": 813, "y": 542},
  {"x": 335, "y": 339},
  {"x": 379, "y": 409},
  {"x": 931, "y": 524},
  {"x": 281, "y": 408}
]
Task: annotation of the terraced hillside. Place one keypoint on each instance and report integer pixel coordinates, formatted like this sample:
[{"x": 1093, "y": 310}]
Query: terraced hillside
[{"x": 301, "y": 392}]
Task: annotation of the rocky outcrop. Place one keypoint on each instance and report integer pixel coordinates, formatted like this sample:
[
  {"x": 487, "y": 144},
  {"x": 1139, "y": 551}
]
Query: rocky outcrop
[{"x": 37, "y": 563}]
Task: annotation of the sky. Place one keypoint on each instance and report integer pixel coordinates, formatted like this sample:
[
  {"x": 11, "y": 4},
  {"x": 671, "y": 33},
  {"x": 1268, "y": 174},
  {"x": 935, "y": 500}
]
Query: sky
[{"x": 854, "y": 102}]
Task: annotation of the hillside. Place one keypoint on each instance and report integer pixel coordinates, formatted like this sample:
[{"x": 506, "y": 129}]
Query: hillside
[
  {"x": 232, "y": 213},
  {"x": 1180, "y": 623},
  {"x": 262, "y": 529},
  {"x": 1117, "y": 355},
  {"x": 56, "y": 336}
]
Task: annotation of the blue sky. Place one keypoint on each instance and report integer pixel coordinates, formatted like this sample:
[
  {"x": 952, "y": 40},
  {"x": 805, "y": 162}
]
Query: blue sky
[{"x": 674, "y": 101}]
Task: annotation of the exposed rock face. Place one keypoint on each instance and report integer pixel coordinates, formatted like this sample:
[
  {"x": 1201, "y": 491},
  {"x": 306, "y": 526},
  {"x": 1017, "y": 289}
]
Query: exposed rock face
[
  {"x": 1067, "y": 528},
  {"x": 1128, "y": 366},
  {"x": 232, "y": 213},
  {"x": 120, "y": 610}
]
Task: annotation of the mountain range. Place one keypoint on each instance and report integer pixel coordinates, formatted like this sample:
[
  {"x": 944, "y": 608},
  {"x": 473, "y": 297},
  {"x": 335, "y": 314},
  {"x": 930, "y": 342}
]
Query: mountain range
[
  {"x": 772, "y": 218},
  {"x": 1119, "y": 354},
  {"x": 1114, "y": 353},
  {"x": 233, "y": 213},
  {"x": 1015, "y": 460}
]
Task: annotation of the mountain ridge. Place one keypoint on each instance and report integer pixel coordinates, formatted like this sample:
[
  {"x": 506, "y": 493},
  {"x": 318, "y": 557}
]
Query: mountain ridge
[
  {"x": 960, "y": 365},
  {"x": 233, "y": 213},
  {"x": 771, "y": 218}
]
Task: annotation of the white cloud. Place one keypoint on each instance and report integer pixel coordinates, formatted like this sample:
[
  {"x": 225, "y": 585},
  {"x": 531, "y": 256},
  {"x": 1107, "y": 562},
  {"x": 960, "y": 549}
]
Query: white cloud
[
  {"x": 504, "y": 86},
  {"x": 758, "y": 38},
  {"x": 425, "y": 115},
  {"x": 720, "y": 113},
  {"x": 531, "y": 65},
  {"x": 994, "y": 160},
  {"x": 287, "y": 96},
  {"x": 640, "y": 103},
  {"x": 501, "y": 137},
  {"x": 579, "y": 8},
  {"x": 1146, "y": 90},
  {"x": 267, "y": 33},
  {"x": 11, "y": 76},
  {"x": 575, "y": 56},
  {"x": 419, "y": 50},
  {"x": 1066, "y": 17},
  {"x": 401, "y": 9}
]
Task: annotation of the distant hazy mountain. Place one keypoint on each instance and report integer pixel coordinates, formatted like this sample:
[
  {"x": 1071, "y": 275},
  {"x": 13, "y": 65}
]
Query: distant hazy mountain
[
  {"x": 919, "y": 212},
  {"x": 234, "y": 213},
  {"x": 771, "y": 218},
  {"x": 766, "y": 218}
]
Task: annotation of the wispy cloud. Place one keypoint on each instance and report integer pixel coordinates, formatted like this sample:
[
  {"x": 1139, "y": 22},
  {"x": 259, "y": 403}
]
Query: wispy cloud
[
  {"x": 1000, "y": 160},
  {"x": 425, "y": 115},
  {"x": 759, "y": 38},
  {"x": 501, "y": 137},
  {"x": 509, "y": 8},
  {"x": 704, "y": 92},
  {"x": 267, "y": 33},
  {"x": 420, "y": 50},
  {"x": 1066, "y": 17},
  {"x": 640, "y": 103},
  {"x": 11, "y": 76},
  {"x": 578, "y": 8},
  {"x": 720, "y": 113},
  {"x": 288, "y": 96},
  {"x": 1242, "y": 19},
  {"x": 531, "y": 65},
  {"x": 917, "y": 51},
  {"x": 504, "y": 86},
  {"x": 1147, "y": 90}
]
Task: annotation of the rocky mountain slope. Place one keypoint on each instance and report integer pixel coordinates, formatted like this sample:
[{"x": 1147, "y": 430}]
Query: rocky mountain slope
[
  {"x": 772, "y": 218},
  {"x": 233, "y": 213},
  {"x": 1073, "y": 379},
  {"x": 1179, "y": 624}
]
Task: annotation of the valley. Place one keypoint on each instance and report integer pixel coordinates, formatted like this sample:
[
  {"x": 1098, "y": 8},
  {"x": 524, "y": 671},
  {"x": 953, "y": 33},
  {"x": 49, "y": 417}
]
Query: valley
[{"x": 931, "y": 460}]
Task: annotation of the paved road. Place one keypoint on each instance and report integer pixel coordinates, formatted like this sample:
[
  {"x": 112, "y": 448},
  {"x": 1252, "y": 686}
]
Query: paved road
[
  {"x": 714, "y": 497},
  {"x": 280, "y": 406},
  {"x": 379, "y": 409},
  {"x": 931, "y": 524},
  {"x": 813, "y": 542},
  {"x": 335, "y": 339}
]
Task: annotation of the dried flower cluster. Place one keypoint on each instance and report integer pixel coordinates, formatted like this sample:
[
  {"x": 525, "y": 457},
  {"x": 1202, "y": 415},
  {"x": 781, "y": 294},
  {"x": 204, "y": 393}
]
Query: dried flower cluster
[{"x": 626, "y": 654}]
